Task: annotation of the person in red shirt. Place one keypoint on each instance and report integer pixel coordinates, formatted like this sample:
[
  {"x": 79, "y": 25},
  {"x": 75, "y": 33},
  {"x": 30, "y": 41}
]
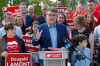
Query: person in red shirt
[
  {"x": 12, "y": 43},
  {"x": 69, "y": 18},
  {"x": 28, "y": 37},
  {"x": 96, "y": 14},
  {"x": 94, "y": 10}
]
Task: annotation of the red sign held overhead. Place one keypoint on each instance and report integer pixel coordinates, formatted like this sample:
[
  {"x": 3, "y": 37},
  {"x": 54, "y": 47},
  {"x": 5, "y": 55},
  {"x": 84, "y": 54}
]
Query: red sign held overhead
[
  {"x": 18, "y": 59},
  {"x": 13, "y": 10},
  {"x": 61, "y": 8}
]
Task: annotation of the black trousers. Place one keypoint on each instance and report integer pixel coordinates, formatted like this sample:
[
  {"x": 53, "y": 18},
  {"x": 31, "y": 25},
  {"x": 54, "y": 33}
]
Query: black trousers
[
  {"x": 98, "y": 55},
  {"x": 2, "y": 61}
]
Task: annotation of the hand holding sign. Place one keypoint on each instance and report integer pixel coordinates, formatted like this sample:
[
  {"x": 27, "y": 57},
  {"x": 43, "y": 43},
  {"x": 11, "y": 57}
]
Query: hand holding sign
[
  {"x": 19, "y": 59},
  {"x": 4, "y": 54}
]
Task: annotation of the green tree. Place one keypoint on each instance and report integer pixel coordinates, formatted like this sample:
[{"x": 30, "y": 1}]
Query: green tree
[
  {"x": 37, "y": 7},
  {"x": 17, "y": 1},
  {"x": 2, "y": 4}
]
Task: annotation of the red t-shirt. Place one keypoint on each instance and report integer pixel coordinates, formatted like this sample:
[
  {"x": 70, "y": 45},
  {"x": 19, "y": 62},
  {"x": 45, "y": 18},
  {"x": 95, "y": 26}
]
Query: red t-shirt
[
  {"x": 71, "y": 20},
  {"x": 28, "y": 43},
  {"x": 12, "y": 45},
  {"x": 97, "y": 14}
]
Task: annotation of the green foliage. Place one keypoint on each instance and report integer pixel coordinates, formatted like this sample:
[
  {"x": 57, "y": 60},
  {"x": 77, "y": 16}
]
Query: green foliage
[
  {"x": 17, "y": 1},
  {"x": 38, "y": 10},
  {"x": 2, "y": 4},
  {"x": 37, "y": 7}
]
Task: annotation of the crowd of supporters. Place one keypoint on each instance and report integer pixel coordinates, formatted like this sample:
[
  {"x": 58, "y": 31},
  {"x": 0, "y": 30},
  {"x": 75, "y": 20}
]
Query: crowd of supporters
[{"x": 77, "y": 30}]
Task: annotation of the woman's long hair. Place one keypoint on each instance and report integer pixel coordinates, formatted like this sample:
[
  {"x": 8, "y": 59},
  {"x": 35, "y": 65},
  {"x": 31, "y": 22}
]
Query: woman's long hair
[{"x": 79, "y": 38}]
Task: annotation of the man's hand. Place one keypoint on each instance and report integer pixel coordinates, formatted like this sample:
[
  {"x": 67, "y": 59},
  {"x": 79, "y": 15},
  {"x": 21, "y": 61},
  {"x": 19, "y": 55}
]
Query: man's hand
[
  {"x": 4, "y": 54},
  {"x": 38, "y": 35}
]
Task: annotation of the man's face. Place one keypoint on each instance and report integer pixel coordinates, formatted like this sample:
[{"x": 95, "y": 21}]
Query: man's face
[
  {"x": 51, "y": 17},
  {"x": 9, "y": 17},
  {"x": 31, "y": 10},
  {"x": 91, "y": 7}
]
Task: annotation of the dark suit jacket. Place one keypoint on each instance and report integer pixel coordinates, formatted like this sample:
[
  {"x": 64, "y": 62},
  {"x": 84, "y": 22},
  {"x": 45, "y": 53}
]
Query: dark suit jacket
[{"x": 45, "y": 40}]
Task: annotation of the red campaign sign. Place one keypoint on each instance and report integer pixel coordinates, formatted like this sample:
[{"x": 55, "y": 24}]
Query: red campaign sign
[
  {"x": 28, "y": 43},
  {"x": 13, "y": 10},
  {"x": 19, "y": 59},
  {"x": 54, "y": 55}
]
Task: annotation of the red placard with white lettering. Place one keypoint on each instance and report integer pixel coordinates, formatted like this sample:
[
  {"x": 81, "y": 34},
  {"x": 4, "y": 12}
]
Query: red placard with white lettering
[
  {"x": 19, "y": 59},
  {"x": 53, "y": 55},
  {"x": 28, "y": 43}
]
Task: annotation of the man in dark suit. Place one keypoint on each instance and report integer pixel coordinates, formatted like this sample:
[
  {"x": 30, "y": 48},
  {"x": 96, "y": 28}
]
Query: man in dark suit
[{"x": 52, "y": 35}]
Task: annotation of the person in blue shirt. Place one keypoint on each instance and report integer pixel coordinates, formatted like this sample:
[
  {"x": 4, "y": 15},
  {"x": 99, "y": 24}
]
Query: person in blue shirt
[
  {"x": 30, "y": 16},
  {"x": 82, "y": 56},
  {"x": 51, "y": 34},
  {"x": 97, "y": 41},
  {"x": 17, "y": 29}
]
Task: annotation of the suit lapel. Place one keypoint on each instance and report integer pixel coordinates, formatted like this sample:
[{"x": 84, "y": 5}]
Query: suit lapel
[
  {"x": 48, "y": 35},
  {"x": 58, "y": 33}
]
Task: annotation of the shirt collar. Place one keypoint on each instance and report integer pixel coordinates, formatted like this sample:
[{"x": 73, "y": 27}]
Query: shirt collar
[{"x": 52, "y": 26}]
